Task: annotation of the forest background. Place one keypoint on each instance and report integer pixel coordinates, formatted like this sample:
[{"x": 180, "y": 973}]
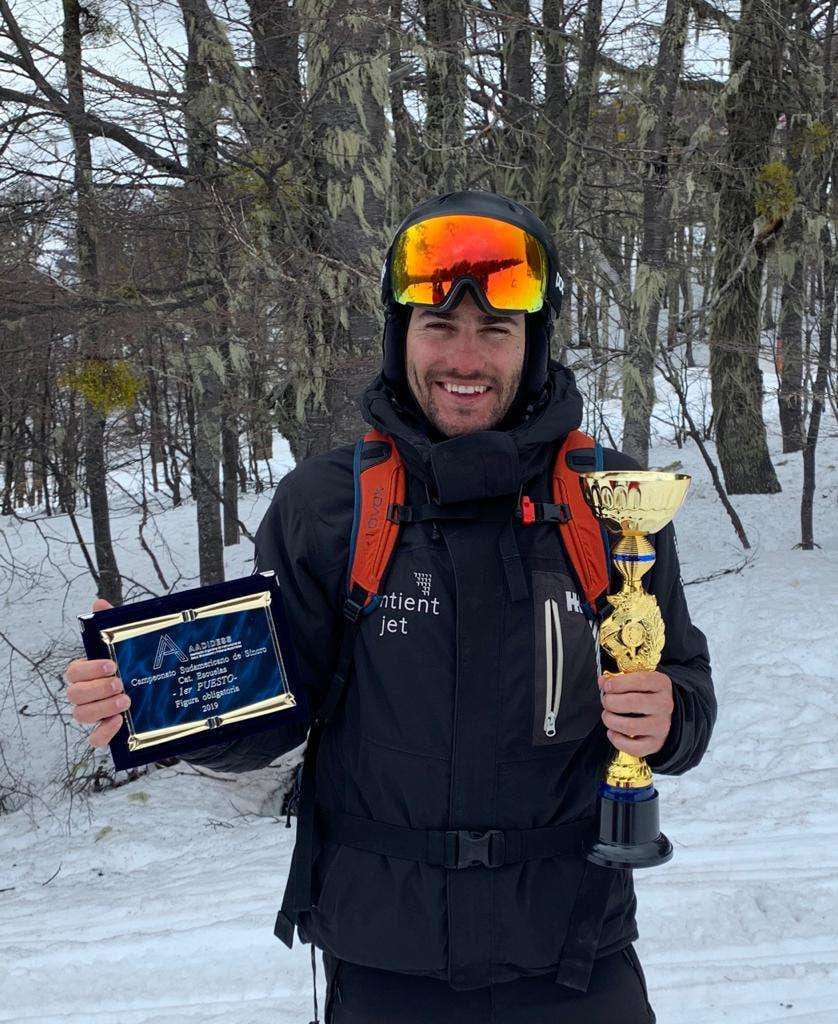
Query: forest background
[{"x": 195, "y": 198}]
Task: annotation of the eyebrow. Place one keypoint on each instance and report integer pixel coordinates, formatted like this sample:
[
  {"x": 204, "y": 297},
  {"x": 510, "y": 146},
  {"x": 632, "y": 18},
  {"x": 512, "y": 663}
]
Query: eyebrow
[{"x": 485, "y": 318}]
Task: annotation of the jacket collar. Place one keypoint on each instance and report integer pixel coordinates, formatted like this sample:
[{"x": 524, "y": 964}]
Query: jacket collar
[{"x": 485, "y": 464}]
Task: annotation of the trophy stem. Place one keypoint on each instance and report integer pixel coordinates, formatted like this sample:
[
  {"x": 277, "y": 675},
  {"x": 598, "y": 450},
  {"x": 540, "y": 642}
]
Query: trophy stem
[{"x": 626, "y": 771}]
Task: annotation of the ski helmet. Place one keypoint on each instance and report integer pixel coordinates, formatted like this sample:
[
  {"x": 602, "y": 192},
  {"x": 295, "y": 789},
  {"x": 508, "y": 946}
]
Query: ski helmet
[{"x": 471, "y": 226}]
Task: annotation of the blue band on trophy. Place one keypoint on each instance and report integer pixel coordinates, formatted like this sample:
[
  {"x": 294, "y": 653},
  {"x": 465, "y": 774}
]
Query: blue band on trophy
[{"x": 627, "y": 795}]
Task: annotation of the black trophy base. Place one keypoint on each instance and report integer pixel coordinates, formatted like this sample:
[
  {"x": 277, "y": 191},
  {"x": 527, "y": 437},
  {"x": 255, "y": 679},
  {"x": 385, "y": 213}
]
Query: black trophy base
[{"x": 629, "y": 830}]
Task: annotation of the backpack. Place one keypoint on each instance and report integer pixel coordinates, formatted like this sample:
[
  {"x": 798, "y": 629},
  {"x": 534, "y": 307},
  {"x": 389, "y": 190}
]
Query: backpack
[{"x": 380, "y": 511}]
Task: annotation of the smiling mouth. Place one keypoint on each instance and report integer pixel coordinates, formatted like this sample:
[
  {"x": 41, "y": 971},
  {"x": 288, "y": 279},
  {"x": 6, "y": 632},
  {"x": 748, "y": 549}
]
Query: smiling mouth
[{"x": 463, "y": 392}]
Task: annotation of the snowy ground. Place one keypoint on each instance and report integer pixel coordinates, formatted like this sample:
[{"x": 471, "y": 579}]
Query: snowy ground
[{"x": 154, "y": 903}]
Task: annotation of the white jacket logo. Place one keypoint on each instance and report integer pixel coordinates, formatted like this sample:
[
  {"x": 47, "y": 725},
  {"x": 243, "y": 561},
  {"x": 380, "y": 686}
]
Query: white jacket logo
[
  {"x": 401, "y": 602},
  {"x": 423, "y": 582}
]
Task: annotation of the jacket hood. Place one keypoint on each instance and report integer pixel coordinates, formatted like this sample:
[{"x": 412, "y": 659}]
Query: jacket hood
[{"x": 485, "y": 464}]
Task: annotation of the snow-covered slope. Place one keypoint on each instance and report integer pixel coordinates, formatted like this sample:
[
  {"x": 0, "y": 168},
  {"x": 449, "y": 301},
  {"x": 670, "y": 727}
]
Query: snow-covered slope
[{"x": 154, "y": 903}]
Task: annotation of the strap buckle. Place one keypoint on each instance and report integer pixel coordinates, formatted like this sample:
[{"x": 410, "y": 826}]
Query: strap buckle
[
  {"x": 352, "y": 609},
  {"x": 526, "y": 511},
  {"x": 399, "y": 513},
  {"x": 530, "y": 511},
  {"x": 465, "y": 849}
]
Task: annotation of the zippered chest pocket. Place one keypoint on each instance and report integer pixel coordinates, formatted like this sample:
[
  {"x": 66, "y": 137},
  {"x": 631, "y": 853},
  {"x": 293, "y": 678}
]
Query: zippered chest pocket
[{"x": 566, "y": 701}]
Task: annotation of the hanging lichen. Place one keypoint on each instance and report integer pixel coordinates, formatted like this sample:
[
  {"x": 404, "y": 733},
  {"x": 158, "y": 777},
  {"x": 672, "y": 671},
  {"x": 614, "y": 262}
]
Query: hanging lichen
[
  {"x": 817, "y": 136},
  {"x": 107, "y": 385},
  {"x": 649, "y": 285},
  {"x": 775, "y": 195}
]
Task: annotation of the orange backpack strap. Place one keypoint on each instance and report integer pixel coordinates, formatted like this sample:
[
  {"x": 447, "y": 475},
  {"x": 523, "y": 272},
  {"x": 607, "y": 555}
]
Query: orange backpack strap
[
  {"x": 379, "y": 483},
  {"x": 582, "y": 534},
  {"x": 584, "y": 539}
]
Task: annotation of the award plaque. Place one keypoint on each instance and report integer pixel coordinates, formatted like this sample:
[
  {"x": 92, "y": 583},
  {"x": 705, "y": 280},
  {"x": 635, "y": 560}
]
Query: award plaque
[
  {"x": 632, "y": 504},
  {"x": 201, "y": 666}
]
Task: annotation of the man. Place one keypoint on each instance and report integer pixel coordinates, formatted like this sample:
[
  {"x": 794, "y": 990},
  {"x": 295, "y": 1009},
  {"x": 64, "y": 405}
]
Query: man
[{"x": 447, "y": 725}]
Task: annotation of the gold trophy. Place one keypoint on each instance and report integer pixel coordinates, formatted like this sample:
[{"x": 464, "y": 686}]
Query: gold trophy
[{"x": 632, "y": 504}]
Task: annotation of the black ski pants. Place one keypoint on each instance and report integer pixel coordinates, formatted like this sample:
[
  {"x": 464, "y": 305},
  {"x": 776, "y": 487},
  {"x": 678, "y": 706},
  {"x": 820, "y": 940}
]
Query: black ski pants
[{"x": 364, "y": 995}]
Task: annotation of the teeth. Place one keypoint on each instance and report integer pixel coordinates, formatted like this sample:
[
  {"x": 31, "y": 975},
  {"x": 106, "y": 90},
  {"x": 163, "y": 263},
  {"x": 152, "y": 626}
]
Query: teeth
[{"x": 465, "y": 389}]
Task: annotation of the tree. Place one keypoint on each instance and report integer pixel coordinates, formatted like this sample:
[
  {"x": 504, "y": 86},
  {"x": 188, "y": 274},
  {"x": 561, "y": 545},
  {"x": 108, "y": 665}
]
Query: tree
[
  {"x": 90, "y": 340},
  {"x": 333, "y": 326},
  {"x": 744, "y": 229},
  {"x": 650, "y": 283},
  {"x": 444, "y": 142}
]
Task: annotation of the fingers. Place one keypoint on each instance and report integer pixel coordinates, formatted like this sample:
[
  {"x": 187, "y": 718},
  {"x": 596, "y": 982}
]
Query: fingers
[
  {"x": 635, "y": 682},
  {"x": 644, "y": 725},
  {"x": 98, "y": 710},
  {"x": 640, "y": 746},
  {"x": 95, "y": 691},
  {"x": 634, "y": 733},
  {"x": 105, "y": 731},
  {"x": 81, "y": 670},
  {"x": 96, "y": 694},
  {"x": 91, "y": 681},
  {"x": 636, "y": 703},
  {"x": 100, "y": 604}
]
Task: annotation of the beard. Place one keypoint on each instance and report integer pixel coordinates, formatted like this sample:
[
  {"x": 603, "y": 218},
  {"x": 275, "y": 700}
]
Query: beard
[{"x": 453, "y": 416}]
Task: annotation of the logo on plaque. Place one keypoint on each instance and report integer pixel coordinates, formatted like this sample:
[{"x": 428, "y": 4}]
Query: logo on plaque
[{"x": 167, "y": 646}]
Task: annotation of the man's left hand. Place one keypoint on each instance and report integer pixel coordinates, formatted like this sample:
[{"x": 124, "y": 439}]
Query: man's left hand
[{"x": 647, "y": 694}]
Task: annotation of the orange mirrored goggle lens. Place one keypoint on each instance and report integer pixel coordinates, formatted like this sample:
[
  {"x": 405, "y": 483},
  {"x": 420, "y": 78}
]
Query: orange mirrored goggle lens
[{"x": 508, "y": 263}]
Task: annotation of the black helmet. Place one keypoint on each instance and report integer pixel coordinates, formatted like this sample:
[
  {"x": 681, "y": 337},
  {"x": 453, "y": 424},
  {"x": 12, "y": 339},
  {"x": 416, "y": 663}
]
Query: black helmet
[{"x": 539, "y": 325}]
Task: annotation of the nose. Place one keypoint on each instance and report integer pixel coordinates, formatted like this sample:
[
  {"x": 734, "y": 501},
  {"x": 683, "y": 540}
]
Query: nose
[{"x": 465, "y": 351}]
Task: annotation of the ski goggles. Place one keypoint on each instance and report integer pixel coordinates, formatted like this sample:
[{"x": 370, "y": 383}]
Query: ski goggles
[{"x": 432, "y": 258}]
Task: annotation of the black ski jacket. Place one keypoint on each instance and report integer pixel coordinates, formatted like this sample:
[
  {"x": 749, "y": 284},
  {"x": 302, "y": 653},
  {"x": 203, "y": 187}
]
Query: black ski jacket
[{"x": 443, "y": 721}]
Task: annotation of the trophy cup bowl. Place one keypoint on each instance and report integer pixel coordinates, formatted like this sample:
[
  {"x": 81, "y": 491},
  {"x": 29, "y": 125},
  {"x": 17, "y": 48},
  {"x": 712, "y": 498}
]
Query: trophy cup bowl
[{"x": 632, "y": 504}]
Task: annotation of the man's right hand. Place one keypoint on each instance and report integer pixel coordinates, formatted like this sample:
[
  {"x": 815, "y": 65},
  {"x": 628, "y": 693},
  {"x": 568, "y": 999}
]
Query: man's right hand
[{"x": 96, "y": 693}]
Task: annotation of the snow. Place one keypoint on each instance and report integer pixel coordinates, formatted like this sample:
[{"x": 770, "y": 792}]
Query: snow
[{"x": 153, "y": 903}]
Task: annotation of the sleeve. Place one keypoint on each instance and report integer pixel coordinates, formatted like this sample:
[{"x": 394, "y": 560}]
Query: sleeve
[
  {"x": 686, "y": 660},
  {"x": 288, "y": 541}
]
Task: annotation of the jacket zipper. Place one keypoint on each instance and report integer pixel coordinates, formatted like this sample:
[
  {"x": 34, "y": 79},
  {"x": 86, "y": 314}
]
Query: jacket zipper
[{"x": 554, "y": 667}]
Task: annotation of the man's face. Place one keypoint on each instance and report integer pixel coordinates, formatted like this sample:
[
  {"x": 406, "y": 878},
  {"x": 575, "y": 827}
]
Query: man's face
[{"x": 464, "y": 348}]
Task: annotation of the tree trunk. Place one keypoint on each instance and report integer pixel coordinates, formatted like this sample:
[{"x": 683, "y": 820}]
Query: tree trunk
[
  {"x": 514, "y": 173},
  {"x": 805, "y": 97},
  {"x": 826, "y": 329},
  {"x": 579, "y": 118},
  {"x": 110, "y": 582},
  {"x": 650, "y": 282},
  {"x": 408, "y": 181},
  {"x": 230, "y": 446},
  {"x": 552, "y": 148},
  {"x": 570, "y": 176},
  {"x": 789, "y": 353},
  {"x": 686, "y": 283},
  {"x": 335, "y": 336},
  {"x": 444, "y": 162},
  {"x": 751, "y": 110},
  {"x": 276, "y": 50},
  {"x": 829, "y": 257},
  {"x": 200, "y": 120}
]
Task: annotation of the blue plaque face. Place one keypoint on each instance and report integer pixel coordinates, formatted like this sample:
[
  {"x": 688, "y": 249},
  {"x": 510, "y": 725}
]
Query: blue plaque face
[
  {"x": 201, "y": 667},
  {"x": 220, "y": 666}
]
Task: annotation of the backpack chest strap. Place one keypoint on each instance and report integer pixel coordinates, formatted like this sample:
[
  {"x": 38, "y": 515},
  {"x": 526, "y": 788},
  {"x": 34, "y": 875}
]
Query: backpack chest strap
[{"x": 477, "y": 511}]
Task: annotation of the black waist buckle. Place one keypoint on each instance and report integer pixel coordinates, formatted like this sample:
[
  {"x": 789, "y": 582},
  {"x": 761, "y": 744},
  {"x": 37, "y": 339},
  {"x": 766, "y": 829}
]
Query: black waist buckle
[{"x": 465, "y": 849}]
